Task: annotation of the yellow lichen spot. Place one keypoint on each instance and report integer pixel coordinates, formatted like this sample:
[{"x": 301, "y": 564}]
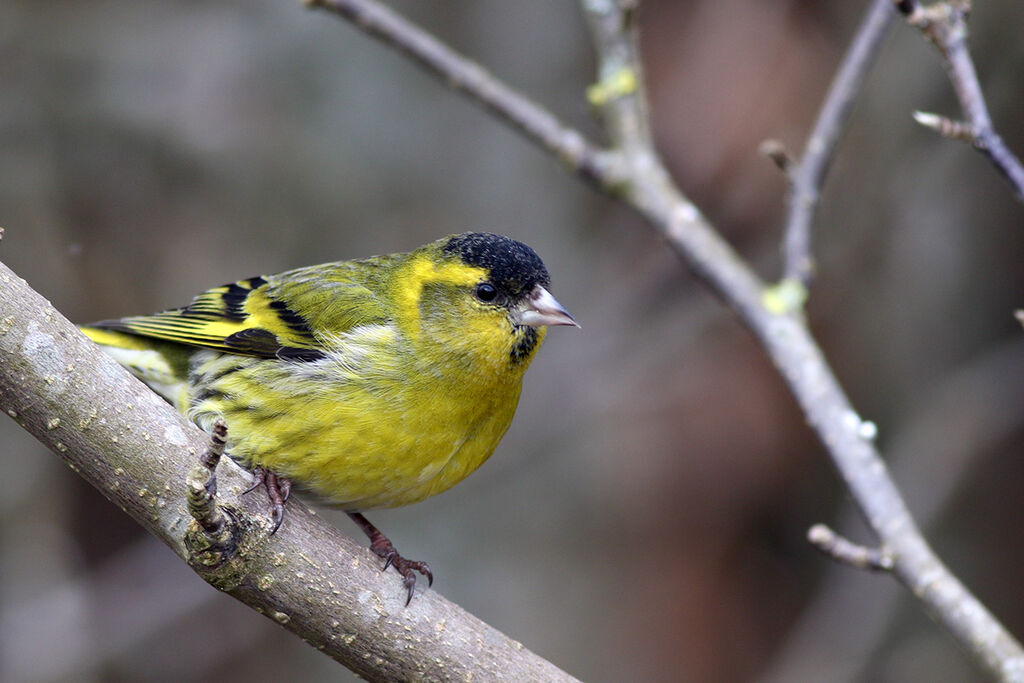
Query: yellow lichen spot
[
  {"x": 265, "y": 582},
  {"x": 53, "y": 423},
  {"x": 785, "y": 297},
  {"x": 83, "y": 424},
  {"x": 619, "y": 83},
  {"x": 61, "y": 447},
  {"x": 281, "y": 617}
]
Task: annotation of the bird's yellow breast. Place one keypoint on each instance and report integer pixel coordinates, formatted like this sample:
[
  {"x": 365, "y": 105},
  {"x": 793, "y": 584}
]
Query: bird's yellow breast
[{"x": 382, "y": 421}]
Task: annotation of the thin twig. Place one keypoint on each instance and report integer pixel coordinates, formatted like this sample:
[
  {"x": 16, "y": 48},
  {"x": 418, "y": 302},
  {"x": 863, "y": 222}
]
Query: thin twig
[
  {"x": 642, "y": 182},
  {"x": 808, "y": 176},
  {"x": 843, "y": 550},
  {"x": 944, "y": 24},
  {"x": 947, "y": 127}
]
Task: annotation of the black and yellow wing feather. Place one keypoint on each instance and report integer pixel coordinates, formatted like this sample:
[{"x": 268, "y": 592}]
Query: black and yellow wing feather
[{"x": 261, "y": 316}]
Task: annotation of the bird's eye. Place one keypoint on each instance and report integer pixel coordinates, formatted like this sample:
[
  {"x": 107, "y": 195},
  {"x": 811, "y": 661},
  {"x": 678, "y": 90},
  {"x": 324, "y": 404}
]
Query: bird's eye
[{"x": 486, "y": 292}]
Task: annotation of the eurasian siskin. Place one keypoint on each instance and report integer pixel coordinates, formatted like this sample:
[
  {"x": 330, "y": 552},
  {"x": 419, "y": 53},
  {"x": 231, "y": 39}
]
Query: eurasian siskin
[{"x": 370, "y": 383}]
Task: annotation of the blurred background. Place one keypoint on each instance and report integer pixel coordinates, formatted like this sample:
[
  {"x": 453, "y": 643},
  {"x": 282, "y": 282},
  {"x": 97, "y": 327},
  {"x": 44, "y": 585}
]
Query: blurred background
[{"x": 645, "y": 517}]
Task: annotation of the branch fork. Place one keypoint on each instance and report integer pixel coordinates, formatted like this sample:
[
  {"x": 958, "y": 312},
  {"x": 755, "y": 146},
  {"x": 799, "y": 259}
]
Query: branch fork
[{"x": 944, "y": 24}]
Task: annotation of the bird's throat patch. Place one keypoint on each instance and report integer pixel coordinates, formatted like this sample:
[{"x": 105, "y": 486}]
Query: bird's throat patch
[{"x": 525, "y": 345}]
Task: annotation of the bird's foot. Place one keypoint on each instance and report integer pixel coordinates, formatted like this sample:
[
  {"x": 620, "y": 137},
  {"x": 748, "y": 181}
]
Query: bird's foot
[
  {"x": 278, "y": 489},
  {"x": 385, "y": 550}
]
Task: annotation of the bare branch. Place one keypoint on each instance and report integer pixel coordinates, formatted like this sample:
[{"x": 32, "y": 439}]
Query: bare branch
[
  {"x": 788, "y": 342},
  {"x": 944, "y": 24},
  {"x": 808, "y": 176},
  {"x": 308, "y": 577},
  {"x": 983, "y": 397}
]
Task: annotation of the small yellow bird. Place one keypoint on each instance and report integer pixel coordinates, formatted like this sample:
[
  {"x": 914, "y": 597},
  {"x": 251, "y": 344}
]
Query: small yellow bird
[{"x": 370, "y": 383}]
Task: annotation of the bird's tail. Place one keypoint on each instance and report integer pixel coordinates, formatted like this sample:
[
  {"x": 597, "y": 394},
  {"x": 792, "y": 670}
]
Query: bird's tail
[{"x": 161, "y": 365}]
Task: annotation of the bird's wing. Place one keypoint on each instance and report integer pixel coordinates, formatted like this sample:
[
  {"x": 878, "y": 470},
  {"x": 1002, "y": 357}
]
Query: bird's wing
[{"x": 286, "y": 316}]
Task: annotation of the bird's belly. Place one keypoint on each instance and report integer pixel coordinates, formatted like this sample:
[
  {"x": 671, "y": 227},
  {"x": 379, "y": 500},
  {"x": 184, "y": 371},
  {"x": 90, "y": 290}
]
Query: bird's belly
[
  {"x": 364, "y": 446},
  {"x": 384, "y": 457}
]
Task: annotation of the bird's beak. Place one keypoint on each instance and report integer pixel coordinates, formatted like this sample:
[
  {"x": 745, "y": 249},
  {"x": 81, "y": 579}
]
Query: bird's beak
[{"x": 540, "y": 308}]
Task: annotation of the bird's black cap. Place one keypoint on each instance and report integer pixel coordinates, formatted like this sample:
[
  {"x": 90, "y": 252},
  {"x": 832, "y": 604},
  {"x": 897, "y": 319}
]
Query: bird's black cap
[{"x": 514, "y": 267}]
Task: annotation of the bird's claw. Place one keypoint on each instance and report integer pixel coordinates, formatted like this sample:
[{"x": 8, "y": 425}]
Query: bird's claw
[
  {"x": 258, "y": 479},
  {"x": 385, "y": 550},
  {"x": 407, "y": 568},
  {"x": 278, "y": 489}
]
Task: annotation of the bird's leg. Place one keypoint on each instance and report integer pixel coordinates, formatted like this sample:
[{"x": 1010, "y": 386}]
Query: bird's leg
[
  {"x": 384, "y": 549},
  {"x": 278, "y": 490}
]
